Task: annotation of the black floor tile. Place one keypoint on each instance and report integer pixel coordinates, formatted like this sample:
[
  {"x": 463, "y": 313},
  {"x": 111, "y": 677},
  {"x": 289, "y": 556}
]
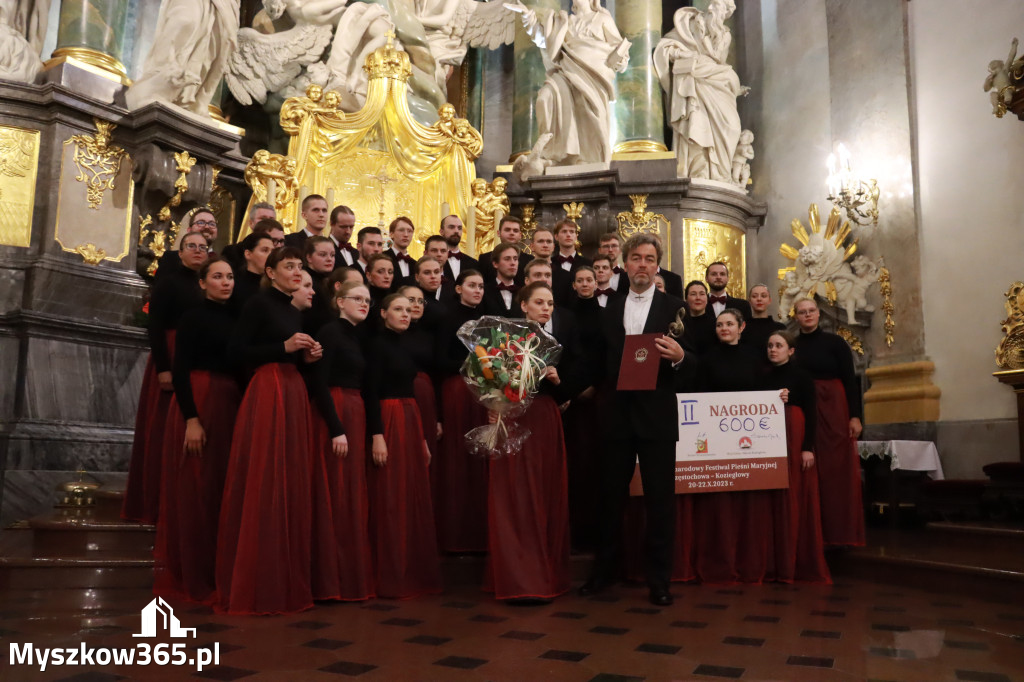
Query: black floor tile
[
  {"x": 692, "y": 624},
  {"x": 487, "y": 618},
  {"x": 224, "y": 673},
  {"x": 890, "y": 627},
  {"x": 811, "y": 661},
  {"x": 461, "y": 662},
  {"x": 744, "y": 641},
  {"x": 329, "y": 644},
  {"x": 821, "y": 634},
  {"x": 646, "y": 610},
  {"x": 559, "y": 655},
  {"x": 402, "y": 622},
  {"x": 310, "y": 625},
  {"x": 659, "y": 649},
  {"x": 762, "y": 619},
  {"x": 348, "y": 668},
  {"x": 728, "y": 591},
  {"x": 889, "y": 609},
  {"x": 459, "y": 605},
  {"x": 947, "y": 604},
  {"x": 377, "y": 606},
  {"x": 890, "y": 652},
  {"x": 712, "y": 607},
  {"x": 607, "y": 599},
  {"x": 605, "y": 630},
  {"x": 213, "y": 628},
  {"x": 609, "y": 677},
  {"x": 829, "y": 614},
  {"x": 718, "y": 671},
  {"x": 969, "y": 646},
  {"x": 978, "y": 676},
  {"x": 525, "y": 636},
  {"x": 429, "y": 640},
  {"x": 776, "y": 602},
  {"x": 571, "y": 615}
]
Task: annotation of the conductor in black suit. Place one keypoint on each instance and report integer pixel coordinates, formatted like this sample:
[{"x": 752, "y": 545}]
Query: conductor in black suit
[
  {"x": 641, "y": 425},
  {"x": 717, "y": 277}
]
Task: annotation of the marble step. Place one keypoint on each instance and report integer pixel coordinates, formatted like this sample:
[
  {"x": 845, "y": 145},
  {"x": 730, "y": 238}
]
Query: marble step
[
  {"x": 21, "y": 568},
  {"x": 59, "y": 534},
  {"x": 980, "y": 536}
]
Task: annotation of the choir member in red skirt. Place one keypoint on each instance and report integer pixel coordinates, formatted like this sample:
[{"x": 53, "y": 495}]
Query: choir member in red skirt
[
  {"x": 528, "y": 500},
  {"x": 461, "y": 479},
  {"x": 420, "y": 343},
  {"x": 197, "y": 441},
  {"x": 799, "y": 547},
  {"x": 830, "y": 361},
  {"x": 401, "y": 516},
  {"x": 173, "y": 296},
  {"x": 761, "y": 325},
  {"x": 699, "y": 322},
  {"x": 266, "y": 527},
  {"x": 732, "y": 530},
  {"x": 339, "y": 435},
  {"x": 255, "y": 248}
]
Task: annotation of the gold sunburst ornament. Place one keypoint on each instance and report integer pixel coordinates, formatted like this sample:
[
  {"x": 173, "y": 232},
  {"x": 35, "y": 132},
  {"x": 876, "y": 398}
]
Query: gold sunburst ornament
[{"x": 821, "y": 253}]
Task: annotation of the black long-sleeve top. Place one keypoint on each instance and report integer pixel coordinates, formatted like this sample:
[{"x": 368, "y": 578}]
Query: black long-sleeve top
[
  {"x": 828, "y": 356},
  {"x": 320, "y": 313},
  {"x": 173, "y": 296},
  {"x": 343, "y": 364},
  {"x": 451, "y": 352},
  {"x": 202, "y": 344},
  {"x": 590, "y": 322},
  {"x": 726, "y": 367},
  {"x": 267, "y": 321},
  {"x": 247, "y": 285},
  {"x": 392, "y": 371},
  {"x": 757, "y": 332},
  {"x": 699, "y": 332},
  {"x": 801, "y": 394},
  {"x": 419, "y": 342}
]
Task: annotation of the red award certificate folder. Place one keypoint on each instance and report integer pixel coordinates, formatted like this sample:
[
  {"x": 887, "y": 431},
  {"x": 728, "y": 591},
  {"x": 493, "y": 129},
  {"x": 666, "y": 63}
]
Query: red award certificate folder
[{"x": 638, "y": 369}]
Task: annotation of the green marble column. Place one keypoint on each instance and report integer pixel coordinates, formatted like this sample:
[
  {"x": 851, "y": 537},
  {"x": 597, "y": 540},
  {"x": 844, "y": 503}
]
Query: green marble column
[
  {"x": 475, "y": 61},
  {"x": 527, "y": 79},
  {"x": 638, "y": 112},
  {"x": 93, "y": 31}
]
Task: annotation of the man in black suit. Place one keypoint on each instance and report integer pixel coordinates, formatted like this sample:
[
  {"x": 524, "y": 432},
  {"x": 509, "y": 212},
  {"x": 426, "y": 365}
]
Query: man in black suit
[
  {"x": 314, "y": 212},
  {"x": 717, "y": 277},
  {"x": 401, "y": 231},
  {"x": 429, "y": 278},
  {"x": 370, "y": 242},
  {"x": 641, "y": 425},
  {"x": 510, "y": 231},
  {"x": 451, "y": 230},
  {"x": 605, "y": 291},
  {"x": 233, "y": 253},
  {"x": 566, "y": 261},
  {"x": 343, "y": 221},
  {"x": 500, "y": 290}
]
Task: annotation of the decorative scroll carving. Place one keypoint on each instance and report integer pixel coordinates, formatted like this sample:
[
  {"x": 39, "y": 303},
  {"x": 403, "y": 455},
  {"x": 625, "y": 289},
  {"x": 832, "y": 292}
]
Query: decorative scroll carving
[
  {"x": 90, "y": 254},
  {"x": 574, "y": 210},
  {"x": 19, "y": 158},
  {"x": 1010, "y": 351},
  {"x": 160, "y": 240},
  {"x": 852, "y": 339},
  {"x": 888, "y": 307},
  {"x": 272, "y": 179},
  {"x": 639, "y": 219},
  {"x": 529, "y": 225},
  {"x": 98, "y": 161}
]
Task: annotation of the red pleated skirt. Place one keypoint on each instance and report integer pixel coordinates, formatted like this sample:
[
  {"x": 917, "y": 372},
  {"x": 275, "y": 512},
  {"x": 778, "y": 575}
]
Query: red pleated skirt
[
  {"x": 733, "y": 537},
  {"x": 838, "y": 465},
  {"x": 142, "y": 493},
  {"x": 460, "y": 495},
  {"x": 401, "y": 515},
  {"x": 192, "y": 486},
  {"x": 266, "y": 526},
  {"x": 426, "y": 401},
  {"x": 634, "y": 529},
  {"x": 528, "y": 511},
  {"x": 799, "y": 547},
  {"x": 343, "y": 561}
]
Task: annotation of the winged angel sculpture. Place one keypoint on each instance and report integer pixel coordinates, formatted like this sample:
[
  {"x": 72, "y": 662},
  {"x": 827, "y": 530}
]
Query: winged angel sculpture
[{"x": 326, "y": 42}]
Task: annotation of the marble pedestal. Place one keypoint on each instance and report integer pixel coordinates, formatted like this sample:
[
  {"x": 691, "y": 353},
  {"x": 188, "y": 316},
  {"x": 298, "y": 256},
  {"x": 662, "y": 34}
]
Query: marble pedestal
[{"x": 72, "y": 359}]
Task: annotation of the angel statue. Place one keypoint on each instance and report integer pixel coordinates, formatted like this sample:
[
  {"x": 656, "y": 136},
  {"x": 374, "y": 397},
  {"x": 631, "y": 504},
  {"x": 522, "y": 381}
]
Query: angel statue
[
  {"x": 195, "y": 39},
  {"x": 490, "y": 205},
  {"x": 852, "y": 283},
  {"x": 22, "y": 31},
  {"x": 702, "y": 88},
  {"x": 1002, "y": 78},
  {"x": 582, "y": 53}
]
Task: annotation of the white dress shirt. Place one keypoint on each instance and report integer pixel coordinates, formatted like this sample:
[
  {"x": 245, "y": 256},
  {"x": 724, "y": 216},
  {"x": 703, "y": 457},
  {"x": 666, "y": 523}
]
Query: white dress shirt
[
  {"x": 613, "y": 283},
  {"x": 637, "y": 308},
  {"x": 505, "y": 295},
  {"x": 568, "y": 266},
  {"x": 403, "y": 267},
  {"x": 549, "y": 326},
  {"x": 455, "y": 264},
  {"x": 718, "y": 307},
  {"x": 602, "y": 300}
]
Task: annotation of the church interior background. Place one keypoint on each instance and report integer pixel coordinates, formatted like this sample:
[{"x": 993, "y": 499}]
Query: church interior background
[{"x": 892, "y": 124}]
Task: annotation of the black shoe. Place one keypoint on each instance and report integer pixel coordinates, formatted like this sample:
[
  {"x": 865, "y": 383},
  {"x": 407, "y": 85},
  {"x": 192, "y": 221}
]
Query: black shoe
[
  {"x": 593, "y": 586},
  {"x": 660, "y": 597}
]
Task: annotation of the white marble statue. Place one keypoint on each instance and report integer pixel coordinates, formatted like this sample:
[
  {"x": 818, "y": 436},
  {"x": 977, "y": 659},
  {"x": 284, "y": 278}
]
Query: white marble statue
[
  {"x": 741, "y": 158},
  {"x": 453, "y": 26},
  {"x": 193, "y": 42},
  {"x": 582, "y": 53},
  {"x": 820, "y": 263},
  {"x": 1001, "y": 79},
  {"x": 852, "y": 283},
  {"x": 702, "y": 88},
  {"x": 22, "y": 31}
]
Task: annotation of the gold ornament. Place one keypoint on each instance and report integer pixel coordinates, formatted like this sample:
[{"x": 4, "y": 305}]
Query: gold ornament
[
  {"x": 706, "y": 242},
  {"x": 98, "y": 161},
  {"x": 1010, "y": 351},
  {"x": 820, "y": 254},
  {"x": 573, "y": 211},
  {"x": 90, "y": 254},
  {"x": 529, "y": 225},
  {"x": 639, "y": 219},
  {"x": 387, "y": 62},
  {"x": 888, "y": 307},
  {"x": 272, "y": 179},
  {"x": 852, "y": 339},
  {"x": 161, "y": 239},
  {"x": 19, "y": 157}
]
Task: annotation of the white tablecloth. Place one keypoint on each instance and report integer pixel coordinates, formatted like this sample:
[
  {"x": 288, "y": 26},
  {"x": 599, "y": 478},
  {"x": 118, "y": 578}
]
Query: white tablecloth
[{"x": 909, "y": 455}]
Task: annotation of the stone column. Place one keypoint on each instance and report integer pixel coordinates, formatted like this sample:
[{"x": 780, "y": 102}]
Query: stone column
[
  {"x": 92, "y": 32},
  {"x": 638, "y": 112},
  {"x": 528, "y": 76}
]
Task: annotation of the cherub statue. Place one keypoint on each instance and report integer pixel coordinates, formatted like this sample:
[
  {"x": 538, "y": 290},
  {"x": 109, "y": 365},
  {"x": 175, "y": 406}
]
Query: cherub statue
[
  {"x": 852, "y": 283},
  {"x": 791, "y": 290},
  {"x": 741, "y": 159},
  {"x": 1002, "y": 79}
]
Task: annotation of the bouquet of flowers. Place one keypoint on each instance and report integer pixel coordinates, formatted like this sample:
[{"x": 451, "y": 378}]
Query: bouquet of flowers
[{"x": 506, "y": 362}]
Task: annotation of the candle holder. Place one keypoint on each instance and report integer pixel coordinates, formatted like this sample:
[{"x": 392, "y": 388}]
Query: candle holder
[{"x": 859, "y": 198}]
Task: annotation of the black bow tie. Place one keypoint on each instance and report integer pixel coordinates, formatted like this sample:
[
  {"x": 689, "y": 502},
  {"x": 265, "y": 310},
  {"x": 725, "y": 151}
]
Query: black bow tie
[
  {"x": 564, "y": 259},
  {"x": 617, "y": 270},
  {"x": 604, "y": 292},
  {"x": 507, "y": 287},
  {"x": 404, "y": 256},
  {"x": 456, "y": 256},
  {"x": 717, "y": 299}
]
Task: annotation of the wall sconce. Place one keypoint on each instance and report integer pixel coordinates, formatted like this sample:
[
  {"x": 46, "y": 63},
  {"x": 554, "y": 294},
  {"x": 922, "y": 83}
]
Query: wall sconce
[{"x": 857, "y": 197}]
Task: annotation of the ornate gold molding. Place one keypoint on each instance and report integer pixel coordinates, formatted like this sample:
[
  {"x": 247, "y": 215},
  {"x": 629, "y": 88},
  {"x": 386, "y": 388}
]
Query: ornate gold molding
[
  {"x": 271, "y": 177},
  {"x": 1010, "y": 351},
  {"x": 90, "y": 254},
  {"x": 19, "y": 160},
  {"x": 160, "y": 240},
  {"x": 98, "y": 161},
  {"x": 97, "y": 62},
  {"x": 529, "y": 225},
  {"x": 638, "y": 146},
  {"x": 888, "y": 307},
  {"x": 706, "y": 242},
  {"x": 387, "y": 62},
  {"x": 850, "y": 338},
  {"x": 639, "y": 219},
  {"x": 574, "y": 210}
]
